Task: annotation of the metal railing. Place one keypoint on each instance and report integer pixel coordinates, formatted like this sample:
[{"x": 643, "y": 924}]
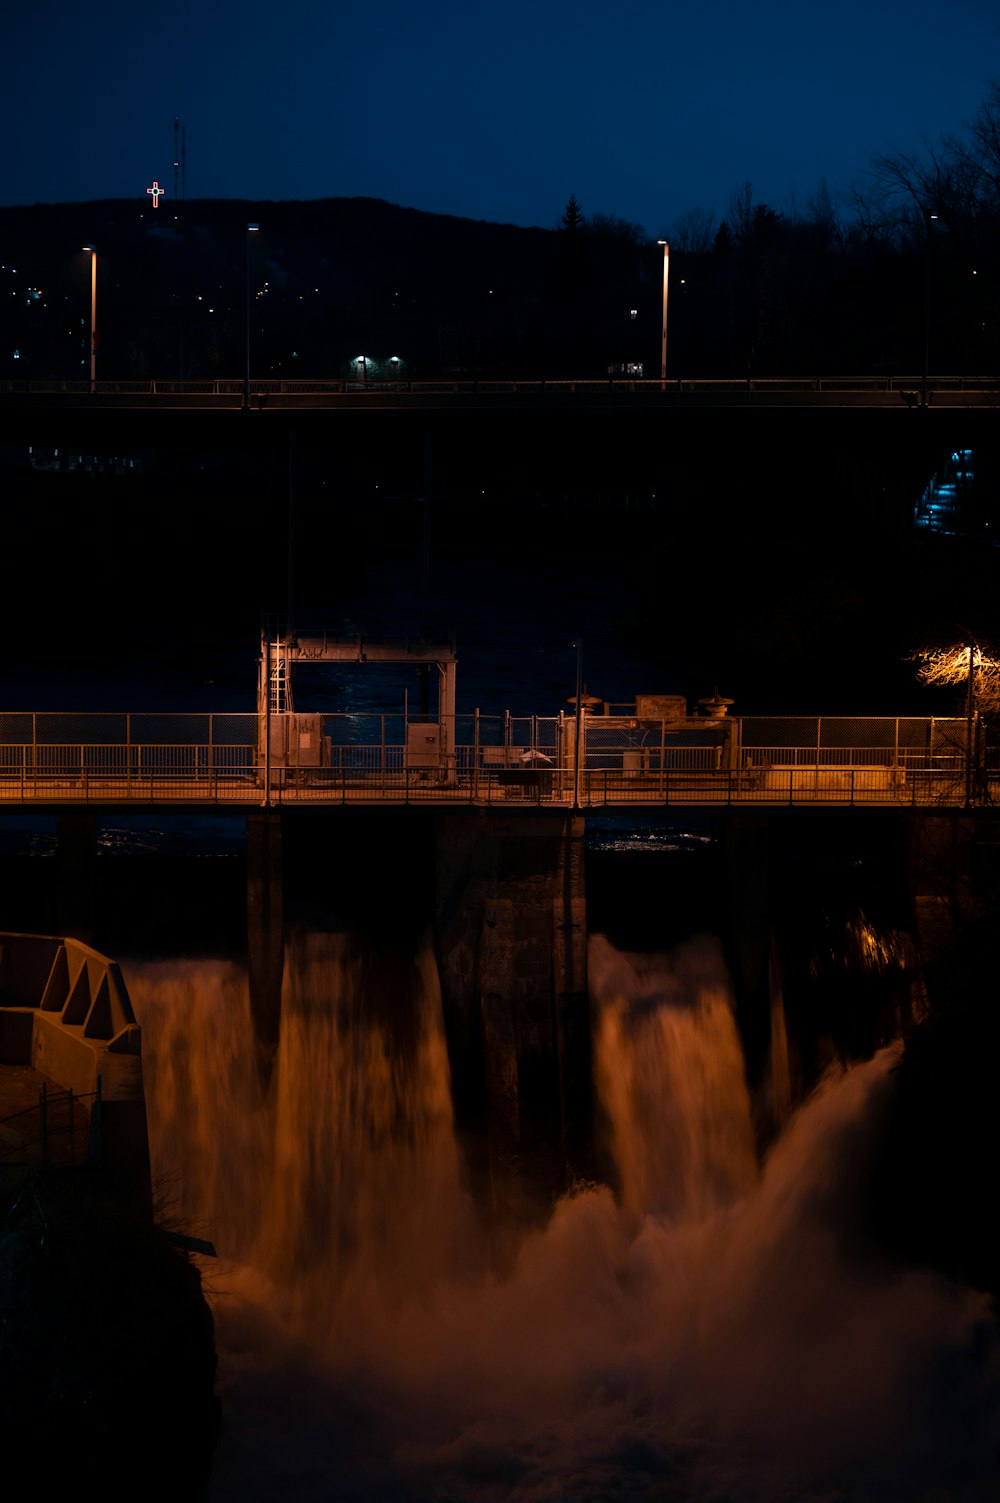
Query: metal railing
[
  {"x": 484, "y": 386},
  {"x": 48, "y": 757},
  {"x": 63, "y": 1128}
]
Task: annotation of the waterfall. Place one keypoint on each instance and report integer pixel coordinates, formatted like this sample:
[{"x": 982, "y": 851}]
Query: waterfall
[
  {"x": 340, "y": 1183},
  {"x": 671, "y": 1079},
  {"x": 713, "y": 1326}
]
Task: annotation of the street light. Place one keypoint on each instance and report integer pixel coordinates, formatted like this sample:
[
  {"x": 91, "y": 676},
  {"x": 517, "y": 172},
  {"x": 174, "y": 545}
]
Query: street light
[
  {"x": 929, "y": 218},
  {"x": 663, "y": 334},
  {"x": 251, "y": 230},
  {"x": 93, "y": 315}
]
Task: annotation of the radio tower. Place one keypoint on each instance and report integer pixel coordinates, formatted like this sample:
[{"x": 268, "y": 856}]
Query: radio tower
[{"x": 180, "y": 161}]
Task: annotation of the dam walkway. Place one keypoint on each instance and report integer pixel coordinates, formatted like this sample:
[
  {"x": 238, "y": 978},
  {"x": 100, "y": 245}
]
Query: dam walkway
[{"x": 238, "y": 762}]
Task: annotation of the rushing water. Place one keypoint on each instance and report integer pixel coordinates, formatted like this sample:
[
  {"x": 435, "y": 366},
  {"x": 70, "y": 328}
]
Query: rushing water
[{"x": 715, "y": 1328}]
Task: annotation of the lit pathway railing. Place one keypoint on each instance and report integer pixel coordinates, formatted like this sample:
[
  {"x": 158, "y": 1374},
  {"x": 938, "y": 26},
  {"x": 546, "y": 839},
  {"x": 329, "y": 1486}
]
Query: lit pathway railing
[
  {"x": 206, "y": 786},
  {"x": 50, "y": 759}
]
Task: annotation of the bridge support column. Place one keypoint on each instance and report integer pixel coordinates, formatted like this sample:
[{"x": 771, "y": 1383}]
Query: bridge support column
[
  {"x": 943, "y": 871},
  {"x": 265, "y": 924},
  {"x": 511, "y": 941},
  {"x": 76, "y": 854}
]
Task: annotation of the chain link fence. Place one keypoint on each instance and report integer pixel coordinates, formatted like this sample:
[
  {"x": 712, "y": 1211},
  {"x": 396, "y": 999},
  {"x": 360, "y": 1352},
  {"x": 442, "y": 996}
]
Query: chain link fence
[{"x": 602, "y": 759}]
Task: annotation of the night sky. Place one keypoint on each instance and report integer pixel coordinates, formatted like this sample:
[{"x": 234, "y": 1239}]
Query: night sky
[{"x": 492, "y": 111}]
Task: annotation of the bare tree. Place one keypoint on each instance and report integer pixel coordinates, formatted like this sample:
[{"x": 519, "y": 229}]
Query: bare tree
[
  {"x": 741, "y": 210},
  {"x": 951, "y": 665},
  {"x": 693, "y": 233},
  {"x": 610, "y": 227},
  {"x": 823, "y": 214},
  {"x": 979, "y": 150}
]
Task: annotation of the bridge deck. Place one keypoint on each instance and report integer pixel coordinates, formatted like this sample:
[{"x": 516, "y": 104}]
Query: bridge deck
[
  {"x": 833, "y": 787},
  {"x": 202, "y": 761}
]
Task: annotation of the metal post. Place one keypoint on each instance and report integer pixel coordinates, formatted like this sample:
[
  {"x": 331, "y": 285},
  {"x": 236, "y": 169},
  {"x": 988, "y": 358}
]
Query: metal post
[
  {"x": 93, "y": 316},
  {"x": 94, "y": 1145},
  {"x": 251, "y": 230},
  {"x": 293, "y": 455},
  {"x": 475, "y": 754},
  {"x": 928, "y": 220},
  {"x": 970, "y": 701},
  {"x": 578, "y": 726},
  {"x": 267, "y": 720},
  {"x": 663, "y": 325}
]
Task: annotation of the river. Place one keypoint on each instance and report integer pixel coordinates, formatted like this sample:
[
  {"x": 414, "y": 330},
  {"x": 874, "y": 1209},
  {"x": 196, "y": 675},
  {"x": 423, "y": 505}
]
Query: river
[{"x": 712, "y": 1322}]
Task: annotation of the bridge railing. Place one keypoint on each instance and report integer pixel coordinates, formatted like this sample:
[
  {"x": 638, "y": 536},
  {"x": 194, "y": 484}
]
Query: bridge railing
[
  {"x": 51, "y": 756},
  {"x": 390, "y": 779},
  {"x": 230, "y": 389}
]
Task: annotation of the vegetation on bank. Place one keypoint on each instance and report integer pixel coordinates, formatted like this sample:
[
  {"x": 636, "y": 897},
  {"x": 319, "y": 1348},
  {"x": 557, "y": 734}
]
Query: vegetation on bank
[
  {"x": 107, "y": 1351},
  {"x": 899, "y": 268}
]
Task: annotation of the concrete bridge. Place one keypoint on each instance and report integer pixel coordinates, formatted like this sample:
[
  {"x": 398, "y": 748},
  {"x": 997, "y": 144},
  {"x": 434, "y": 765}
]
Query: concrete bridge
[{"x": 609, "y": 393}]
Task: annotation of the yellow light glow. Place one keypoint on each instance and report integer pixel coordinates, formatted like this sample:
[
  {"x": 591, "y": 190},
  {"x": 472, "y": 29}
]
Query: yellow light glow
[{"x": 950, "y": 665}]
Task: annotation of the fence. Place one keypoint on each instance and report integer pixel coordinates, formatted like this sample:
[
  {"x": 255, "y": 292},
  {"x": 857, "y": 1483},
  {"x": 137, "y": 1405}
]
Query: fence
[
  {"x": 52, "y": 756},
  {"x": 63, "y": 1128},
  {"x": 624, "y": 385}
]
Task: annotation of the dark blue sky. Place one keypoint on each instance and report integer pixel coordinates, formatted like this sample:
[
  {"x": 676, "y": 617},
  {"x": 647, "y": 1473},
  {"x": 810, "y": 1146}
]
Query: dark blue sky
[{"x": 495, "y": 111}]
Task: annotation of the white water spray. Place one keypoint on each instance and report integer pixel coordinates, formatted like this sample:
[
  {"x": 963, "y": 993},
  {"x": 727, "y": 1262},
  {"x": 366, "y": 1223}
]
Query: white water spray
[{"x": 713, "y": 1334}]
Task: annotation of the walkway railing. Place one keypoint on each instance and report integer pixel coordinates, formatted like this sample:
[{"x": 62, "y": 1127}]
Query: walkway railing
[
  {"x": 63, "y": 1128},
  {"x": 623, "y": 386},
  {"x": 49, "y": 758}
]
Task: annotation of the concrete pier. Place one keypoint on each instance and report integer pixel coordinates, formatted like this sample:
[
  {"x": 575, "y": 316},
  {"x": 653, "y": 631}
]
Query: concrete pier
[{"x": 510, "y": 927}]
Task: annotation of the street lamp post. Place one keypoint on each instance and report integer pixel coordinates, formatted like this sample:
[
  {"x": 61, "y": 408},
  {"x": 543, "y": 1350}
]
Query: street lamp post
[
  {"x": 929, "y": 219},
  {"x": 970, "y": 723},
  {"x": 663, "y": 326},
  {"x": 251, "y": 230},
  {"x": 578, "y": 727},
  {"x": 93, "y": 315}
]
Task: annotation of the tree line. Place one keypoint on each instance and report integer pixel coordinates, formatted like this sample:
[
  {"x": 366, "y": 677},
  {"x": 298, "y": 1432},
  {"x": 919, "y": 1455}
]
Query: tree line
[{"x": 898, "y": 269}]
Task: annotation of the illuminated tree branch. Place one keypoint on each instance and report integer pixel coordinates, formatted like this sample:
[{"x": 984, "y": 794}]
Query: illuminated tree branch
[{"x": 950, "y": 665}]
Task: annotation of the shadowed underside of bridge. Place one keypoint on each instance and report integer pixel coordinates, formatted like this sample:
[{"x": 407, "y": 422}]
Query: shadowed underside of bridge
[{"x": 142, "y": 418}]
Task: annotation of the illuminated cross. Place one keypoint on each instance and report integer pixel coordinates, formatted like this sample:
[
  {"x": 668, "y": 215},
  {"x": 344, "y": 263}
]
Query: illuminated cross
[{"x": 156, "y": 190}]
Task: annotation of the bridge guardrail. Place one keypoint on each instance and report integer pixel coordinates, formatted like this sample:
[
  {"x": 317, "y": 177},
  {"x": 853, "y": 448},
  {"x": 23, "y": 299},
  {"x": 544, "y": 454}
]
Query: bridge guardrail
[
  {"x": 52, "y": 757},
  {"x": 229, "y": 388},
  {"x": 944, "y": 784}
]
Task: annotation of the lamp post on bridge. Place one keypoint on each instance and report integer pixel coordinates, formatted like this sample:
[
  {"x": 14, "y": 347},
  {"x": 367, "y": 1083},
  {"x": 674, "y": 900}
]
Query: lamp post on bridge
[
  {"x": 252, "y": 229},
  {"x": 663, "y": 325},
  {"x": 93, "y": 315},
  {"x": 578, "y": 716},
  {"x": 929, "y": 219}
]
